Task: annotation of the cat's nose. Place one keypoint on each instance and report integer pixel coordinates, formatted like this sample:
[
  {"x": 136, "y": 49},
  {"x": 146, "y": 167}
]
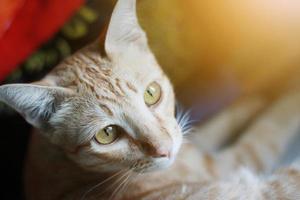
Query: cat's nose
[
  {"x": 155, "y": 151},
  {"x": 161, "y": 154}
]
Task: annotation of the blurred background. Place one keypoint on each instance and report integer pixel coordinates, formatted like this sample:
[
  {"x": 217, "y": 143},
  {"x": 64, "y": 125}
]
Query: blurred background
[{"x": 213, "y": 51}]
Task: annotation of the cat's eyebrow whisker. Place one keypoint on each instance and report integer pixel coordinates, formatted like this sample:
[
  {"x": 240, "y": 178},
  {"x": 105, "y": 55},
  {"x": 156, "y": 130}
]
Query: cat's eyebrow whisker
[{"x": 101, "y": 183}]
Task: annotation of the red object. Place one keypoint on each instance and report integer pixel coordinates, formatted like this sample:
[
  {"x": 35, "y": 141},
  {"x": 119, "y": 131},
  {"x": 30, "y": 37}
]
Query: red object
[{"x": 26, "y": 24}]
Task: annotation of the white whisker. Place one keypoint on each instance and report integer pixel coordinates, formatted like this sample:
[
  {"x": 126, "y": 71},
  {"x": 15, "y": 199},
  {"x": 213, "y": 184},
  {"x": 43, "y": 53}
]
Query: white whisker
[
  {"x": 101, "y": 183},
  {"x": 184, "y": 120},
  {"x": 126, "y": 184},
  {"x": 115, "y": 183},
  {"x": 123, "y": 181}
]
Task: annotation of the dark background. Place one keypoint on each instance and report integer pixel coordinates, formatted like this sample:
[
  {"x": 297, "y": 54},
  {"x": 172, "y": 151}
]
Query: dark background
[
  {"x": 15, "y": 132},
  {"x": 13, "y": 146}
]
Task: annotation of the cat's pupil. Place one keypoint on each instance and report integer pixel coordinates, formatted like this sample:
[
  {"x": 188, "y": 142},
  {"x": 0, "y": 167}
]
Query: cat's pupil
[
  {"x": 150, "y": 93},
  {"x": 107, "y": 134},
  {"x": 108, "y": 131}
]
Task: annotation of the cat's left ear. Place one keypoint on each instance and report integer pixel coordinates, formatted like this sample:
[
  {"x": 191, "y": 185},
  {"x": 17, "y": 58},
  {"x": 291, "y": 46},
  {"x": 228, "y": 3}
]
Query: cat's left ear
[
  {"x": 34, "y": 102},
  {"x": 124, "y": 30}
]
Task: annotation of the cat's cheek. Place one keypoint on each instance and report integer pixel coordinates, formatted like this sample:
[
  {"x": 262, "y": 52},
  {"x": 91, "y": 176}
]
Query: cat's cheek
[
  {"x": 165, "y": 164},
  {"x": 177, "y": 139},
  {"x": 170, "y": 162}
]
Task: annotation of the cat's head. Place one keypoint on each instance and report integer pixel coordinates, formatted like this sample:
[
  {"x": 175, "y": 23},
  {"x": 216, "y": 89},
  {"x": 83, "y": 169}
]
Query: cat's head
[{"x": 106, "y": 112}]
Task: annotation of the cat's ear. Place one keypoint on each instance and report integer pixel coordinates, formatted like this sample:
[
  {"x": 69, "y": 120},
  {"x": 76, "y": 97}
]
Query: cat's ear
[
  {"x": 34, "y": 102},
  {"x": 124, "y": 30}
]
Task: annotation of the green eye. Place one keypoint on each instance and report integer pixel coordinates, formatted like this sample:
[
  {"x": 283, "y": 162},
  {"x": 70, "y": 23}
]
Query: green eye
[
  {"x": 152, "y": 94},
  {"x": 107, "y": 135}
]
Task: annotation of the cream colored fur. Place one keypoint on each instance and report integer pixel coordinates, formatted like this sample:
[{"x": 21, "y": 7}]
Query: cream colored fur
[{"x": 90, "y": 91}]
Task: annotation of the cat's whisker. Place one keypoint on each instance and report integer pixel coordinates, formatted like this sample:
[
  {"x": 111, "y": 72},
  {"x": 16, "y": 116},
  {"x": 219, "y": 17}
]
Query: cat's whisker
[
  {"x": 123, "y": 181},
  {"x": 188, "y": 130},
  {"x": 101, "y": 183},
  {"x": 181, "y": 114},
  {"x": 127, "y": 183},
  {"x": 119, "y": 179},
  {"x": 131, "y": 176},
  {"x": 184, "y": 120}
]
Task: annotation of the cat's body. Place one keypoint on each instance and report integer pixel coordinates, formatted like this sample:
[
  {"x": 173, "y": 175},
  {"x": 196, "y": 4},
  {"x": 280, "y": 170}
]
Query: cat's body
[
  {"x": 106, "y": 129},
  {"x": 232, "y": 173}
]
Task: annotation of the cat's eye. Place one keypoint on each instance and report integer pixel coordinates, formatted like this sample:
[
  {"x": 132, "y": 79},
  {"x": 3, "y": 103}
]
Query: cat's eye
[
  {"x": 107, "y": 135},
  {"x": 152, "y": 94}
]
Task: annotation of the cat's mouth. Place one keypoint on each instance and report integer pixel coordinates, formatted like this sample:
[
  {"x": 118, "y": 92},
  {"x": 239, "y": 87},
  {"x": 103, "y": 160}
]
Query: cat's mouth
[{"x": 152, "y": 165}]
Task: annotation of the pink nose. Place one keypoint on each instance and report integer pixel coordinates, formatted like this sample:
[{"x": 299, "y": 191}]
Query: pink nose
[
  {"x": 160, "y": 153},
  {"x": 155, "y": 152}
]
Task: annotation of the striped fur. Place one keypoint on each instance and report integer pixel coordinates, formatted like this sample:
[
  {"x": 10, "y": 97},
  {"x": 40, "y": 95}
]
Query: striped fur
[{"x": 89, "y": 91}]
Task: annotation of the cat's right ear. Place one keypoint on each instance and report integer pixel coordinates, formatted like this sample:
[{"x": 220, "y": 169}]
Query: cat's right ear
[
  {"x": 124, "y": 30},
  {"x": 35, "y": 103}
]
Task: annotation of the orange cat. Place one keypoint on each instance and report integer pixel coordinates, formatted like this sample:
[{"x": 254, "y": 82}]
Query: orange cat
[{"x": 106, "y": 129}]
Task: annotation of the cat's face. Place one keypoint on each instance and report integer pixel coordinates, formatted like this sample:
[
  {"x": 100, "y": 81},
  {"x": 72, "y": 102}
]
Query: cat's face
[
  {"x": 121, "y": 115},
  {"x": 106, "y": 113}
]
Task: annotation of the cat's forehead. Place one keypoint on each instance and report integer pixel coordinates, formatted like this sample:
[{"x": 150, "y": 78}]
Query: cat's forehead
[
  {"x": 88, "y": 71},
  {"x": 138, "y": 68}
]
